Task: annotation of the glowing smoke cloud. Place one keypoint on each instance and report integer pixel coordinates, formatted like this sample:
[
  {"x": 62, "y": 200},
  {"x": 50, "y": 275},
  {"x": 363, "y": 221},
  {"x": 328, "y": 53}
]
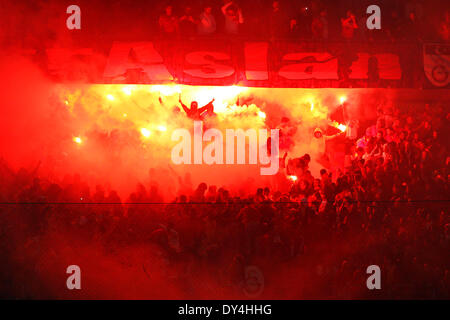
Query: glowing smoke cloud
[{"x": 116, "y": 134}]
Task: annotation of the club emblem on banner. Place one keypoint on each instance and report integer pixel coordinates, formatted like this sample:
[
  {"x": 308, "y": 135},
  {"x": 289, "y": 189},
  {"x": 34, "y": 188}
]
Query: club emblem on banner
[{"x": 436, "y": 63}]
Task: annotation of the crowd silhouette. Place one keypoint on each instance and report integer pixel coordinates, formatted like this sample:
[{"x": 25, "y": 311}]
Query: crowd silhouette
[{"x": 388, "y": 206}]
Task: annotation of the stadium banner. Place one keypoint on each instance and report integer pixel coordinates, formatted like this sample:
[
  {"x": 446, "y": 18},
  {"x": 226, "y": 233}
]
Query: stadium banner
[
  {"x": 257, "y": 64},
  {"x": 436, "y": 64}
]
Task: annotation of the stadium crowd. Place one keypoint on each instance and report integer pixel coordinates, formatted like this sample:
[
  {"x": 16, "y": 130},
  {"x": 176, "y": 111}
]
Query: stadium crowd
[
  {"x": 388, "y": 207},
  {"x": 304, "y": 20}
]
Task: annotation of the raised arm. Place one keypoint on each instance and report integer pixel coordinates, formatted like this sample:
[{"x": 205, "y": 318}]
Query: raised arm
[
  {"x": 225, "y": 7},
  {"x": 241, "y": 17},
  {"x": 283, "y": 160},
  {"x": 206, "y": 107},
  {"x": 327, "y": 138},
  {"x": 350, "y": 21},
  {"x": 355, "y": 25},
  {"x": 344, "y": 113},
  {"x": 186, "y": 109}
]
